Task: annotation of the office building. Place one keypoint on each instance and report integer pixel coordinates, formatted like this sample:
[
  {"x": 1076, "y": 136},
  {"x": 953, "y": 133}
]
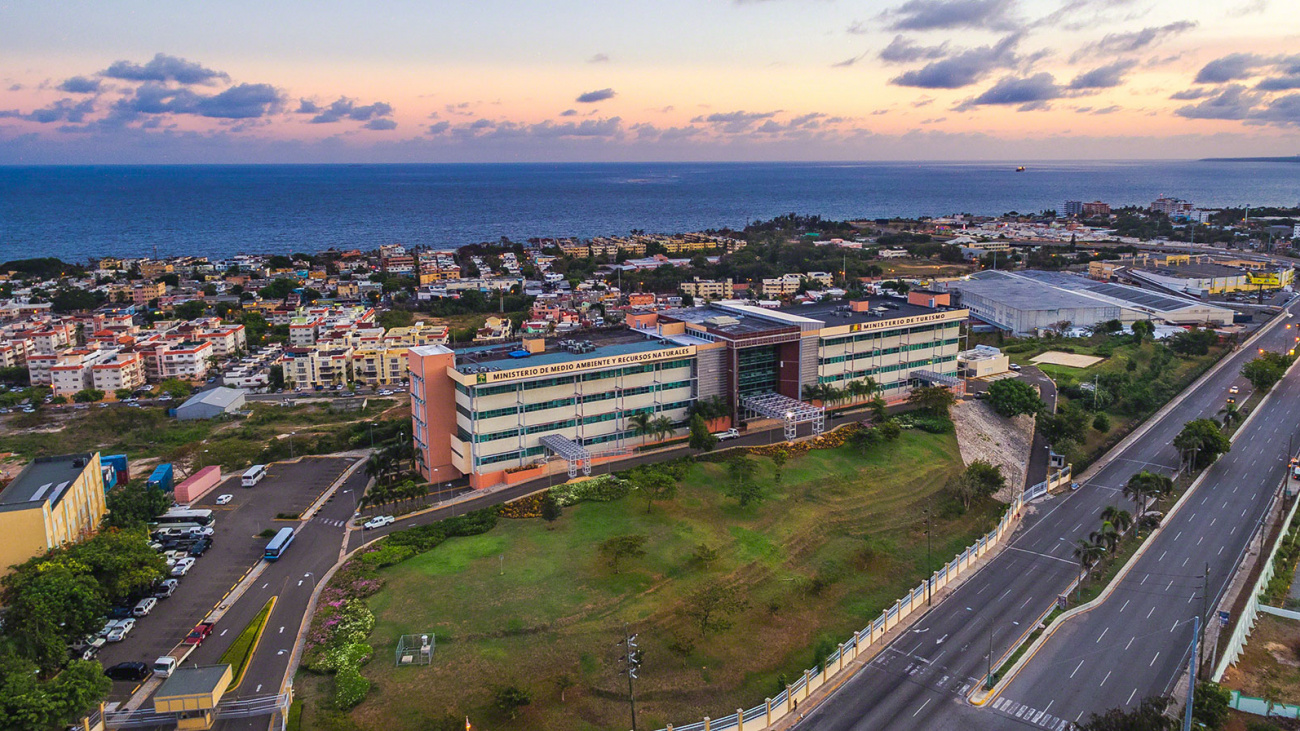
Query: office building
[{"x": 52, "y": 502}]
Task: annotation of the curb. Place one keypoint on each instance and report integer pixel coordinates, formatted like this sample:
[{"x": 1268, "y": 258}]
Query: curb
[{"x": 1060, "y": 621}]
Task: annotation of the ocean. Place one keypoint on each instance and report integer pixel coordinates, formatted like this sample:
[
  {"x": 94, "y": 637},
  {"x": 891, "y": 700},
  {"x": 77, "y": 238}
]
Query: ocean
[{"x": 76, "y": 213}]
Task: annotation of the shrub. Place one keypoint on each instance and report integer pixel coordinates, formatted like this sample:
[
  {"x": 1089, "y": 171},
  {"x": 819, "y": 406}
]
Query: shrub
[
  {"x": 603, "y": 489},
  {"x": 337, "y": 658},
  {"x": 529, "y": 506},
  {"x": 350, "y": 688},
  {"x": 926, "y": 423}
]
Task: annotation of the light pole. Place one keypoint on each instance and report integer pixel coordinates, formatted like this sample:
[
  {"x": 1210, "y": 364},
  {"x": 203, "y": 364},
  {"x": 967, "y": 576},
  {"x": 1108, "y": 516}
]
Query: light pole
[
  {"x": 291, "y": 455},
  {"x": 929, "y": 575}
]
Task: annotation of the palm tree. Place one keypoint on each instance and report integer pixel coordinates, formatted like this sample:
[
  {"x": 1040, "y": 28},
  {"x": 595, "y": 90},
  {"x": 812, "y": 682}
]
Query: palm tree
[
  {"x": 662, "y": 427},
  {"x": 1121, "y": 519},
  {"x": 813, "y": 392},
  {"x": 1106, "y": 536},
  {"x": 1088, "y": 554},
  {"x": 1144, "y": 485},
  {"x": 1232, "y": 414},
  {"x": 642, "y": 424}
]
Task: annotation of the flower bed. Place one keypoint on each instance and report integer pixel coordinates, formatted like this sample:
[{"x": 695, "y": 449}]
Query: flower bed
[{"x": 529, "y": 506}]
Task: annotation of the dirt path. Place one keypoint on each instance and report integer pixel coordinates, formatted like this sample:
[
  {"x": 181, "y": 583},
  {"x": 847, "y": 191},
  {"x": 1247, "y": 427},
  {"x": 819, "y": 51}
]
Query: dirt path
[{"x": 982, "y": 434}]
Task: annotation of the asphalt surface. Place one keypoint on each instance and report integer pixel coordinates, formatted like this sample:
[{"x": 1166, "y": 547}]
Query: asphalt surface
[
  {"x": 236, "y": 549},
  {"x": 921, "y": 679}
]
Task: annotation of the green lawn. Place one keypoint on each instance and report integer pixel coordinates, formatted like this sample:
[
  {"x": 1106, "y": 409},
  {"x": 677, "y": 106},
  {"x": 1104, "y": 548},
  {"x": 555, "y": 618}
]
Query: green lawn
[{"x": 831, "y": 546}]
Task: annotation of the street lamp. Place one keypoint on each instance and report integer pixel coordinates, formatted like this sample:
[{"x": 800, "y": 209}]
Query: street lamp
[{"x": 929, "y": 574}]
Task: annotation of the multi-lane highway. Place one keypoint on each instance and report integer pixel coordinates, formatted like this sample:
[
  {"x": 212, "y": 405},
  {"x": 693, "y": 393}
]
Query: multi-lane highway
[{"x": 921, "y": 680}]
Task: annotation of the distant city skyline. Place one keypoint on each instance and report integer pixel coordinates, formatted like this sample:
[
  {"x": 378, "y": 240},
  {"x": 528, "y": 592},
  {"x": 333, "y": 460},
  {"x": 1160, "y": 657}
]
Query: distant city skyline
[{"x": 674, "y": 80}]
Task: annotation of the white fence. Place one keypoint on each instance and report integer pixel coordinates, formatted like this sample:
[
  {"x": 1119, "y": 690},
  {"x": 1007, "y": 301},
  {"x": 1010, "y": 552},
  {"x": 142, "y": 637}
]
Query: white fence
[
  {"x": 774, "y": 709},
  {"x": 1052, "y": 482},
  {"x": 1246, "y": 623}
]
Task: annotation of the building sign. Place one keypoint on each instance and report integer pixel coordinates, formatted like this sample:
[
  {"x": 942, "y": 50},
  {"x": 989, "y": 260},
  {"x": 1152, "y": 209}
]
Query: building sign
[
  {"x": 1268, "y": 279},
  {"x": 900, "y": 322},
  {"x": 580, "y": 365}
]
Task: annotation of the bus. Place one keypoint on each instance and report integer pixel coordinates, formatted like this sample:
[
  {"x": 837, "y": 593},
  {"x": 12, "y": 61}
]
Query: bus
[
  {"x": 254, "y": 475},
  {"x": 178, "y": 516},
  {"x": 276, "y": 547}
]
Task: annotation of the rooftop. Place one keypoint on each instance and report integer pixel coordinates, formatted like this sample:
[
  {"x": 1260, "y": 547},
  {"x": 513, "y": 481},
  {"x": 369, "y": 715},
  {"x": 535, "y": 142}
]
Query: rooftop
[
  {"x": 505, "y": 356},
  {"x": 220, "y": 396},
  {"x": 187, "y": 682},
  {"x": 45, "y": 479},
  {"x": 839, "y": 313},
  {"x": 1184, "y": 271}
]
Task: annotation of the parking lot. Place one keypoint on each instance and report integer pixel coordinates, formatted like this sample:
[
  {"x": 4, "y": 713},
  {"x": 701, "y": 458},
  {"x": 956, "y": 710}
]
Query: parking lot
[{"x": 289, "y": 488}]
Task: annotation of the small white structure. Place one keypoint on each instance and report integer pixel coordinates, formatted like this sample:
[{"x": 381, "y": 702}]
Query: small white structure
[{"x": 982, "y": 361}]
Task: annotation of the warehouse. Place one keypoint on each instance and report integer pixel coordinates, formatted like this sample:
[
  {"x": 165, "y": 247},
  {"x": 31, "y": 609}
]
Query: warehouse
[
  {"x": 1031, "y": 302},
  {"x": 212, "y": 403},
  {"x": 488, "y": 410}
]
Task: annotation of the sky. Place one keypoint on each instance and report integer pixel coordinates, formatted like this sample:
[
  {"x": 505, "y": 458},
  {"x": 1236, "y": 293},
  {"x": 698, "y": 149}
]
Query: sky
[{"x": 289, "y": 81}]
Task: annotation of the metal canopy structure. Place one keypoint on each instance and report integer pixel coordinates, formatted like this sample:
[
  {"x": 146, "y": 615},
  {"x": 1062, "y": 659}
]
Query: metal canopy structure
[
  {"x": 570, "y": 451},
  {"x": 936, "y": 379},
  {"x": 792, "y": 411}
]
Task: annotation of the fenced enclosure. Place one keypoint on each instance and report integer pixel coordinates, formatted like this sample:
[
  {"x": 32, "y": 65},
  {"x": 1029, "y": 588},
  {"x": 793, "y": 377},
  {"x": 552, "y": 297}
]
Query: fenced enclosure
[{"x": 415, "y": 649}]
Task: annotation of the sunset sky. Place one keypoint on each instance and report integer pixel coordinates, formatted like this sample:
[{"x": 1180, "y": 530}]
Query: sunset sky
[{"x": 568, "y": 80}]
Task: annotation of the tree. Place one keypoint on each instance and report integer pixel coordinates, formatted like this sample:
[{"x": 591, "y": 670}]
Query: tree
[
  {"x": 779, "y": 458},
  {"x": 986, "y": 478},
  {"x": 933, "y": 399},
  {"x": 1266, "y": 370},
  {"x": 191, "y": 310},
  {"x": 122, "y": 394},
  {"x": 662, "y": 427},
  {"x": 27, "y": 702},
  {"x": 508, "y": 699},
  {"x": 742, "y": 486},
  {"x": 1101, "y": 422},
  {"x": 1143, "y": 330},
  {"x": 701, "y": 439},
  {"x": 88, "y": 395},
  {"x": 878, "y": 409},
  {"x": 133, "y": 505},
  {"x": 1069, "y": 424},
  {"x": 1121, "y": 519},
  {"x": 618, "y": 548},
  {"x": 175, "y": 387},
  {"x": 712, "y": 607},
  {"x": 1210, "y": 706},
  {"x": 1231, "y": 414},
  {"x": 1107, "y": 536},
  {"x": 1148, "y": 716},
  {"x": 73, "y": 300},
  {"x": 655, "y": 485},
  {"x": 961, "y": 488},
  {"x": 1203, "y": 440},
  {"x": 275, "y": 377},
  {"x": 642, "y": 424},
  {"x": 1087, "y": 554},
  {"x": 48, "y": 603},
  {"x": 563, "y": 682},
  {"x": 1145, "y": 485},
  {"x": 1011, "y": 397},
  {"x": 551, "y": 509}
]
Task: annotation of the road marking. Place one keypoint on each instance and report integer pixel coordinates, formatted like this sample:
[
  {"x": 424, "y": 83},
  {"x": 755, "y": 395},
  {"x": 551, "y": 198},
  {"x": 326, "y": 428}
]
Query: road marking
[
  {"x": 1103, "y": 634},
  {"x": 1220, "y": 553},
  {"x": 259, "y": 688},
  {"x": 1153, "y": 609},
  {"x": 1008, "y": 591},
  {"x": 1130, "y": 696},
  {"x": 223, "y": 633},
  {"x": 922, "y": 708},
  {"x": 1130, "y": 642},
  {"x": 940, "y": 640},
  {"x": 1212, "y": 522},
  {"x": 1153, "y": 660},
  {"x": 1171, "y": 582},
  {"x": 1126, "y": 601},
  {"x": 1243, "y": 512},
  {"x": 1103, "y": 680},
  {"x": 1049, "y": 705},
  {"x": 1198, "y": 540},
  {"x": 1162, "y": 556},
  {"x": 1022, "y": 606},
  {"x": 1185, "y": 560},
  {"x": 266, "y": 585},
  {"x": 1076, "y": 668},
  {"x": 1171, "y": 629},
  {"x": 1077, "y": 527},
  {"x": 1144, "y": 579},
  {"x": 281, "y": 629}
]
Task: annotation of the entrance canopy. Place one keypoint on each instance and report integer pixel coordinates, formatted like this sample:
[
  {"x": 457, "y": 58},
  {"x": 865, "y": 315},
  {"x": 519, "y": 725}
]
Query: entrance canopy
[
  {"x": 792, "y": 411},
  {"x": 570, "y": 451}
]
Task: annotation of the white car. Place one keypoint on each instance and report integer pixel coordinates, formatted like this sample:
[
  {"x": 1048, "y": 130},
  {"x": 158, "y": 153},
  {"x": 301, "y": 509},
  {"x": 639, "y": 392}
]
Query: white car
[
  {"x": 119, "y": 633},
  {"x": 379, "y": 521},
  {"x": 732, "y": 433},
  {"x": 224, "y": 499},
  {"x": 1234, "y": 390},
  {"x": 183, "y": 566}
]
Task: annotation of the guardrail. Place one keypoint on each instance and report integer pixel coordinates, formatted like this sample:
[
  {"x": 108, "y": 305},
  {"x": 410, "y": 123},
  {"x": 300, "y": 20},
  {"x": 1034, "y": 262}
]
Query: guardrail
[
  {"x": 787, "y": 701},
  {"x": 248, "y": 708}
]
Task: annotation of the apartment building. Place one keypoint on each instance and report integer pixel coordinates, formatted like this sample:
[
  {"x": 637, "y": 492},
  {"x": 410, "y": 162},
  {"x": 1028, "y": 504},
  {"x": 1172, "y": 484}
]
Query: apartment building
[
  {"x": 788, "y": 284},
  {"x": 188, "y": 360},
  {"x": 708, "y": 289},
  {"x": 144, "y": 292},
  {"x": 73, "y": 370},
  {"x": 121, "y": 370},
  {"x": 321, "y": 365},
  {"x": 52, "y": 502}
]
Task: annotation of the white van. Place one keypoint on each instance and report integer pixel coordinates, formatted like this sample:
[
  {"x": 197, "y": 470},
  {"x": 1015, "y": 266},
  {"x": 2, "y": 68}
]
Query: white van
[{"x": 254, "y": 475}]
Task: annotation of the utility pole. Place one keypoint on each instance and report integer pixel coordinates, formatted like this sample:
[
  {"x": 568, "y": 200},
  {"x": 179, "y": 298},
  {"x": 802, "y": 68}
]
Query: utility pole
[
  {"x": 988, "y": 679},
  {"x": 1205, "y": 607},
  {"x": 1191, "y": 680},
  {"x": 929, "y": 574},
  {"x": 631, "y": 660}
]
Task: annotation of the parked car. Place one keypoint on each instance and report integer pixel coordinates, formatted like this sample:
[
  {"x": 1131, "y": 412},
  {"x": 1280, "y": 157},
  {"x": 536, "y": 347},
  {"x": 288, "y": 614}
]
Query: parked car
[
  {"x": 144, "y": 606},
  {"x": 224, "y": 499},
  {"x": 731, "y": 433},
  {"x": 119, "y": 633},
  {"x": 87, "y": 648},
  {"x": 379, "y": 521},
  {"x": 121, "y": 611},
  {"x": 166, "y": 588},
  {"x": 201, "y": 545},
  {"x": 199, "y": 633},
  {"x": 130, "y": 671},
  {"x": 182, "y": 567},
  {"x": 1014, "y": 367}
]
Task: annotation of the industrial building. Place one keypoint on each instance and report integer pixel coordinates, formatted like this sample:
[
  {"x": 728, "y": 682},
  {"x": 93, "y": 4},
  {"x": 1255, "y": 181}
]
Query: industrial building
[
  {"x": 1205, "y": 278},
  {"x": 1031, "y": 302},
  {"x": 212, "y": 403},
  {"x": 53, "y": 501},
  {"x": 492, "y": 411}
]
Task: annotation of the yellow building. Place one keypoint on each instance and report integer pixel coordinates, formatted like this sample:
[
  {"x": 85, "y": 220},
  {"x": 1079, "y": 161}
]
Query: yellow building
[
  {"x": 380, "y": 366},
  {"x": 53, "y": 501}
]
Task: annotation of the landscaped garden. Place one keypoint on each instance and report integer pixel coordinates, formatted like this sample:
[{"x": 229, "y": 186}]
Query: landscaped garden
[{"x": 732, "y": 591}]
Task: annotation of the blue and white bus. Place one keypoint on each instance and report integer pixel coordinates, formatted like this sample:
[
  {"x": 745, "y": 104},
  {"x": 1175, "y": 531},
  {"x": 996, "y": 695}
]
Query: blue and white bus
[{"x": 276, "y": 547}]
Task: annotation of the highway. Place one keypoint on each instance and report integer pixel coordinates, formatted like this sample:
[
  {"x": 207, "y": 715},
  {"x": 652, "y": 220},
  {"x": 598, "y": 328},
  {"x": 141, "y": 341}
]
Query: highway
[{"x": 922, "y": 678}]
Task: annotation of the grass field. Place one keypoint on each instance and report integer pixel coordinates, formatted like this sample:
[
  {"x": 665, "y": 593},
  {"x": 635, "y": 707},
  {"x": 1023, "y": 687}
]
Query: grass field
[{"x": 836, "y": 541}]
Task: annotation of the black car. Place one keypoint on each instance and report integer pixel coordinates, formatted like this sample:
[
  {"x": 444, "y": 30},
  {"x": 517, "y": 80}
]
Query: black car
[
  {"x": 119, "y": 612},
  {"x": 128, "y": 671},
  {"x": 200, "y": 546}
]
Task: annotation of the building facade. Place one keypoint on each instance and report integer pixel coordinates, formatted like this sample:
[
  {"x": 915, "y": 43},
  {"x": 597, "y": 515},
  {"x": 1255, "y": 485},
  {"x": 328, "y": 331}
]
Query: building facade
[{"x": 52, "y": 502}]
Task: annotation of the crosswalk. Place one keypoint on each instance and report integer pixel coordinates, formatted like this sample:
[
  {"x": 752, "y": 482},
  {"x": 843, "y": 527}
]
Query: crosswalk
[
  {"x": 330, "y": 521},
  {"x": 1031, "y": 715}
]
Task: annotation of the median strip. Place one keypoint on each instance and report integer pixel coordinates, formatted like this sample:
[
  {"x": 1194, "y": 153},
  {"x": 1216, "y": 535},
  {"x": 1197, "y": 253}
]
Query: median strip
[{"x": 238, "y": 655}]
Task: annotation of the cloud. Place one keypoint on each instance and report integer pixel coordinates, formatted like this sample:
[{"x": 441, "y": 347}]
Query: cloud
[
  {"x": 733, "y": 122},
  {"x": 345, "y": 108},
  {"x": 1029, "y": 93},
  {"x": 1107, "y": 110},
  {"x": 592, "y": 97},
  {"x": 242, "y": 101},
  {"x": 858, "y": 28},
  {"x": 80, "y": 85},
  {"x": 1283, "y": 111},
  {"x": 1279, "y": 83},
  {"x": 380, "y": 124},
  {"x": 904, "y": 50},
  {"x": 1132, "y": 41},
  {"x": 1232, "y": 102},
  {"x": 64, "y": 110},
  {"x": 1248, "y": 8},
  {"x": 569, "y": 113},
  {"x": 612, "y": 127},
  {"x": 941, "y": 14},
  {"x": 1232, "y": 67},
  {"x": 1190, "y": 94},
  {"x": 848, "y": 61},
  {"x": 599, "y": 58},
  {"x": 165, "y": 68},
  {"x": 1103, "y": 77},
  {"x": 964, "y": 68},
  {"x": 439, "y": 127}
]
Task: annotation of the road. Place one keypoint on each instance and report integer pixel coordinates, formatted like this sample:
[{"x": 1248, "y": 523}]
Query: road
[
  {"x": 922, "y": 678},
  {"x": 1136, "y": 643}
]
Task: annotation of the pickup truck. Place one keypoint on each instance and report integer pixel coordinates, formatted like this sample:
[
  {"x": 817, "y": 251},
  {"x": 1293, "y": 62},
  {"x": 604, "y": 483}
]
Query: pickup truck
[
  {"x": 728, "y": 434},
  {"x": 165, "y": 665}
]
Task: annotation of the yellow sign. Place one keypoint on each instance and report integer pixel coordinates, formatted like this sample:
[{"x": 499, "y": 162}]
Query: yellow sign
[
  {"x": 1273, "y": 279},
  {"x": 577, "y": 365},
  {"x": 890, "y": 324}
]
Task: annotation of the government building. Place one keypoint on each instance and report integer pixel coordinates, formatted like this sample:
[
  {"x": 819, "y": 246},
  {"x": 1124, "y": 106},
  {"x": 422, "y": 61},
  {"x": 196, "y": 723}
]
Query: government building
[{"x": 513, "y": 411}]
